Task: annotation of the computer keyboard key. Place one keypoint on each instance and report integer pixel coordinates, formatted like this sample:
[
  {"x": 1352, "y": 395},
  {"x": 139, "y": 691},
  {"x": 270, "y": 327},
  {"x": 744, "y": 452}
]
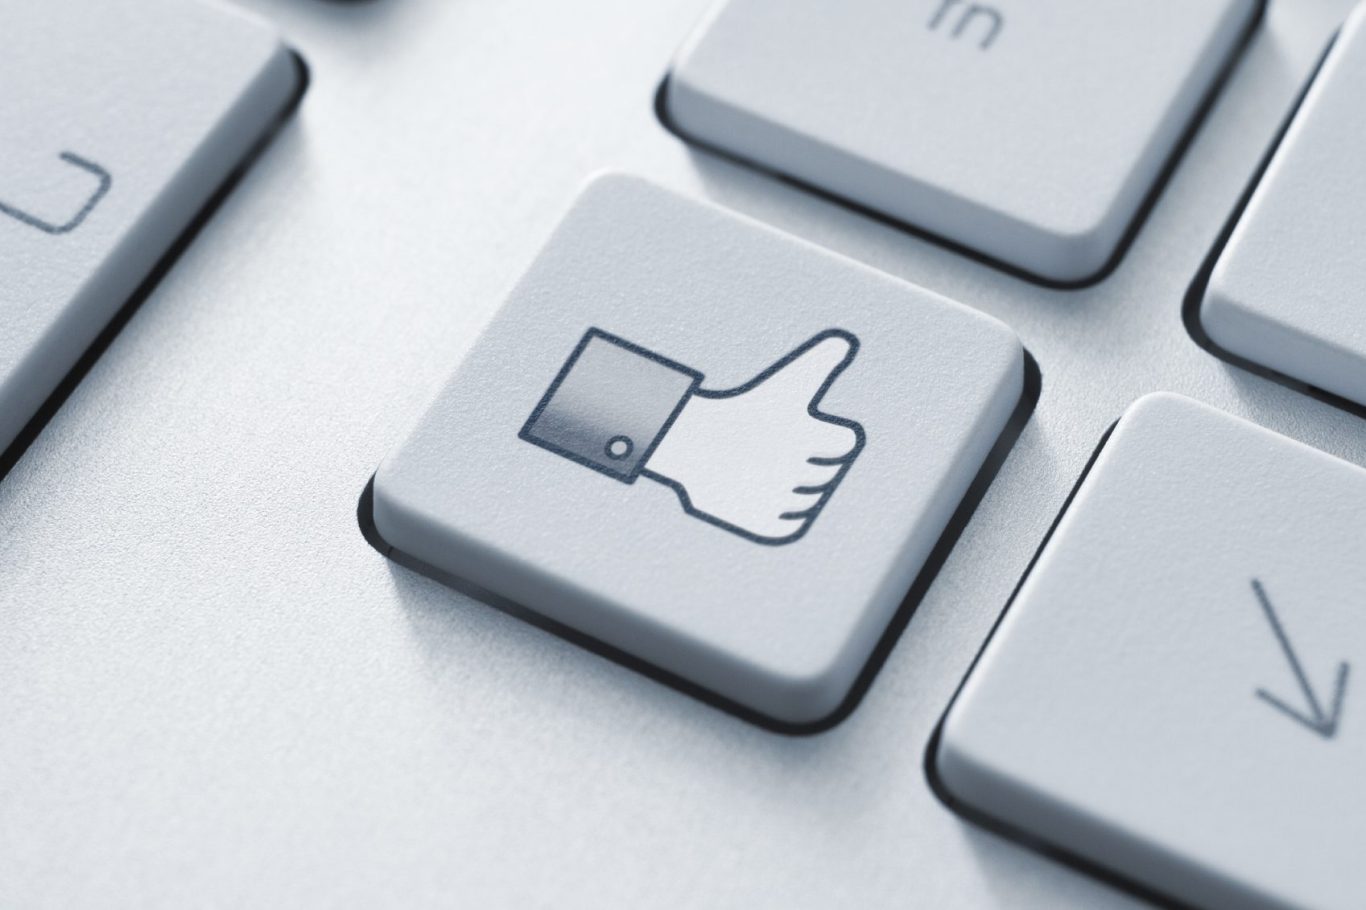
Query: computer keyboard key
[
  {"x": 713, "y": 446},
  {"x": 1176, "y": 692},
  {"x": 1286, "y": 291},
  {"x": 1031, "y": 133},
  {"x": 118, "y": 120}
]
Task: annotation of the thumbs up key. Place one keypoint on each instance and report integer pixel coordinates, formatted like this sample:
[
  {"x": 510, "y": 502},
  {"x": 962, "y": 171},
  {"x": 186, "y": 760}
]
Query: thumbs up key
[{"x": 706, "y": 444}]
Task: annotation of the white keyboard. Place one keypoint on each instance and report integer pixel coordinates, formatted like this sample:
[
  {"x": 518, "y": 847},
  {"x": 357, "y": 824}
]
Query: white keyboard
[{"x": 754, "y": 346}]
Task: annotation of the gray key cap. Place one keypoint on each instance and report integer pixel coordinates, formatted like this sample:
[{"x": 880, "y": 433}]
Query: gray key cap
[
  {"x": 1031, "y": 132},
  {"x": 118, "y": 120},
  {"x": 1286, "y": 292},
  {"x": 1174, "y": 693},
  {"x": 711, "y": 445}
]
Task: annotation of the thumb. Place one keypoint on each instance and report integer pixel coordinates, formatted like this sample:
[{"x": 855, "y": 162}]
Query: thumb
[{"x": 804, "y": 373}]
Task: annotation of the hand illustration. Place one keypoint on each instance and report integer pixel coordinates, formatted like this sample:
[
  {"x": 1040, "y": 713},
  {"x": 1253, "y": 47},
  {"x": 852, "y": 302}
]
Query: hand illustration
[{"x": 760, "y": 460}]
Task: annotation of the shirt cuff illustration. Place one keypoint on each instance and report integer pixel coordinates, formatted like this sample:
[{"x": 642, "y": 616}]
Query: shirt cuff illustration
[{"x": 610, "y": 405}]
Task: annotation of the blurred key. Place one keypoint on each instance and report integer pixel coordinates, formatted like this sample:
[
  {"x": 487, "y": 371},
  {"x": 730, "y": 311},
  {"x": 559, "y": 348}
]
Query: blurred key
[
  {"x": 1286, "y": 292},
  {"x": 119, "y": 118},
  {"x": 1029, "y": 132}
]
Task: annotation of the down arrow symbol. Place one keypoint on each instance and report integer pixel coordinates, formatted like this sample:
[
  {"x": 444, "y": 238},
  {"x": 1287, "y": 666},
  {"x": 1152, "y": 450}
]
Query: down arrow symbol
[{"x": 1323, "y": 723}]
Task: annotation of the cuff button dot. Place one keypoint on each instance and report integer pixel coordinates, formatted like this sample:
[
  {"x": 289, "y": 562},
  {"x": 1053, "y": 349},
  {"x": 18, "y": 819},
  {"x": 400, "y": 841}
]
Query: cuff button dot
[{"x": 619, "y": 447}]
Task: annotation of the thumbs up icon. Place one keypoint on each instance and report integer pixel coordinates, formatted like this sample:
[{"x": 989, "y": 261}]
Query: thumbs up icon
[{"x": 760, "y": 460}]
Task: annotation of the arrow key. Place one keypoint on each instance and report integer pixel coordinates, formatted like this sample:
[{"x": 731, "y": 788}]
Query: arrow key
[{"x": 1172, "y": 695}]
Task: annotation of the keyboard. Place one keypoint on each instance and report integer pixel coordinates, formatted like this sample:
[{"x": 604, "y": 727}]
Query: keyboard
[{"x": 682, "y": 454}]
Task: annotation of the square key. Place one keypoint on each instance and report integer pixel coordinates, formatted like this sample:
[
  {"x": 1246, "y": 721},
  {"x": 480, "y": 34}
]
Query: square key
[
  {"x": 1176, "y": 692},
  {"x": 1285, "y": 291},
  {"x": 713, "y": 446},
  {"x": 1030, "y": 132},
  {"x": 119, "y": 120}
]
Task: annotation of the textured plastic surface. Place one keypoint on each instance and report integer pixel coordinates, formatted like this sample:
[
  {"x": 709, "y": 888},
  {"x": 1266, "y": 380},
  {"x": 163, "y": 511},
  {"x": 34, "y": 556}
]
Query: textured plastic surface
[
  {"x": 783, "y": 627},
  {"x": 1286, "y": 292},
  {"x": 212, "y": 689},
  {"x": 118, "y": 121},
  {"x": 1030, "y": 134},
  {"x": 1166, "y": 696}
]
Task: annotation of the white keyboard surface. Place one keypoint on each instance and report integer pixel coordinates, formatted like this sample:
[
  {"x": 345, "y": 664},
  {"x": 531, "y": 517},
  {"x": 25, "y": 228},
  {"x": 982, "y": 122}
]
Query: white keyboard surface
[{"x": 214, "y": 690}]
